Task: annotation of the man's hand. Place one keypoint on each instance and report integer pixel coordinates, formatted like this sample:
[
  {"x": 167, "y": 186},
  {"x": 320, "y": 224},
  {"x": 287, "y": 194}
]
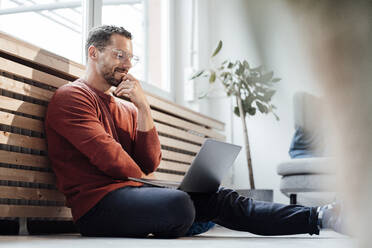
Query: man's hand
[{"x": 131, "y": 88}]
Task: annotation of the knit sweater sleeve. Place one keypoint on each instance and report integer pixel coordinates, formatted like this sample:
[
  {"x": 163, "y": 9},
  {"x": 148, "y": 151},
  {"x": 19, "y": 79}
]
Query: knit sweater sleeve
[
  {"x": 146, "y": 145},
  {"x": 72, "y": 114},
  {"x": 147, "y": 150}
]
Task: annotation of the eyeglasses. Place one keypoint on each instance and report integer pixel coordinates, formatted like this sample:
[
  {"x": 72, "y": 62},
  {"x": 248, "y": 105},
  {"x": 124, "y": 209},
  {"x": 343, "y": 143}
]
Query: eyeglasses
[{"x": 123, "y": 56}]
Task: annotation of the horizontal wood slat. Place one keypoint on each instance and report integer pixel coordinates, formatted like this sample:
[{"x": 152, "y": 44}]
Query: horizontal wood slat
[
  {"x": 21, "y": 122},
  {"x": 174, "y": 166},
  {"x": 166, "y": 176},
  {"x": 31, "y": 194},
  {"x": 184, "y": 112},
  {"x": 159, "y": 116},
  {"x": 178, "y": 133},
  {"x": 24, "y": 89},
  {"x": 178, "y": 144},
  {"x": 35, "y": 211},
  {"x": 13, "y": 139},
  {"x": 26, "y": 51},
  {"x": 176, "y": 156},
  {"x": 29, "y": 176},
  {"x": 31, "y": 73},
  {"x": 22, "y": 107},
  {"x": 24, "y": 159}
]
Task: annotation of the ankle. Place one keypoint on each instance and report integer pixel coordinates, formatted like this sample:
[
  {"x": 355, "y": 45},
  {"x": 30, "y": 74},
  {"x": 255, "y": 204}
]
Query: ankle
[{"x": 326, "y": 216}]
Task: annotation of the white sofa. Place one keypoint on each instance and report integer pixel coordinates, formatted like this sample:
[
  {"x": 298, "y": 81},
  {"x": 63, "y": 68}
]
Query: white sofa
[{"x": 309, "y": 177}]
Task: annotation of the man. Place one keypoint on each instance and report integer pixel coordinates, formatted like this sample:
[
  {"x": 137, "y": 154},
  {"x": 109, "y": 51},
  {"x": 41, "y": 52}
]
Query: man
[{"x": 96, "y": 141}]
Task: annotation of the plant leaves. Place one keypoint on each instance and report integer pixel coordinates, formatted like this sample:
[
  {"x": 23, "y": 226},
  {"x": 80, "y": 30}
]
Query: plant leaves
[
  {"x": 261, "y": 98},
  {"x": 257, "y": 69},
  {"x": 251, "y": 111},
  {"x": 230, "y": 65},
  {"x": 212, "y": 77},
  {"x": 219, "y": 46},
  {"x": 240, "y": 70},
  {"x": 224, "y": 74},
  {"x": 274, "y": 80},
  {"x": 260, "y": 89},
  {"x": 276, "y": 116},
  {"x": 267, "y": 77},
  {"x": 246, "y": 65},
  {"x": 231, "y": 90},
  {"x": 247, "y": 104},
  {"x": 249, "y": 99},
  {"x": 203, "y": 95},
  {"x": 268, "y": 95},
  {"x": 197, "y": 74},
  {"x": 236, "y": 111},
  {"x": 262, "y": 108}
]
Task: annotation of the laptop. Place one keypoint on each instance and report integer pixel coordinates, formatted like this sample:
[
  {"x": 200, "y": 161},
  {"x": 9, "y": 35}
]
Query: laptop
[{"x": 206, "y": 171}]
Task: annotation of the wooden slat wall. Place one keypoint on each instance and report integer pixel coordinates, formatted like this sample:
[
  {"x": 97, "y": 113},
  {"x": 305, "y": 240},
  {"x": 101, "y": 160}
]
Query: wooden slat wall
[
  {"x": 29, "y": 176},
  {"x": 35, "y": 211},
  {"x": 28, "y": 78},
  {"x": 68, "y": 69},
  {"x": 31, "y": 194},
  {"x": 17, "y": 158}
]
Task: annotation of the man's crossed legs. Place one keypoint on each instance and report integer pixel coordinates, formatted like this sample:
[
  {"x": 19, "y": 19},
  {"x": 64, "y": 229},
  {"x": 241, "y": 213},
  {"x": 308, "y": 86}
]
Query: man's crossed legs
[{"x": 140, "y": 211}]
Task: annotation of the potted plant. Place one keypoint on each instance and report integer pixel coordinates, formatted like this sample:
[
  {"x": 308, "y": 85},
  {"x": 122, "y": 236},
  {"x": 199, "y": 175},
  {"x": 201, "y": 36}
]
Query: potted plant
[{"x": 252, "y": 89}]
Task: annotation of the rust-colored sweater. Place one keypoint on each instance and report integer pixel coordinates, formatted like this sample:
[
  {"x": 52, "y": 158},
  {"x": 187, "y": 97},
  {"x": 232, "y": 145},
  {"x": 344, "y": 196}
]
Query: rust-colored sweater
[{"x": 94, "y": 144}]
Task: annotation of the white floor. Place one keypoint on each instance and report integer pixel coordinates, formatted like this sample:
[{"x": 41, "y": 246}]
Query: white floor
[{"x": 217, "y": 237}]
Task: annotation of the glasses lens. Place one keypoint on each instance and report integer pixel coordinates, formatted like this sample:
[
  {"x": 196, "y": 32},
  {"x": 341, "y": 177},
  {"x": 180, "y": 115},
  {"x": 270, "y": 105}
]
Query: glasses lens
[
  {"x": 125, "y": 57},
  {"x": 134, "y": 60}
]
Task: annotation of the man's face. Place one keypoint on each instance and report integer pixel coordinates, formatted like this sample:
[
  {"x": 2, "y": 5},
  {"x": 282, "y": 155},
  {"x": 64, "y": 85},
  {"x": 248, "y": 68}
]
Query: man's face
[{"x": 112, "y": 62}]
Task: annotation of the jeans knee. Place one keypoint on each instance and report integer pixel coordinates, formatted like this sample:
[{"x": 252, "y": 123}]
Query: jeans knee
[
  {"x": 181, "y": 213},
  {"x": 183, "y": 207}
]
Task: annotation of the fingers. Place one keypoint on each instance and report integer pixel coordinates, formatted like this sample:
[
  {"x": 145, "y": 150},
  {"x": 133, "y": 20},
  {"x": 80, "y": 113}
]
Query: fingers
[
  {"x": 131, "y": 88},
  {"x": 129, "y": 77},
  {"x": 128, "y": 81},
  {"x": 123, "y": 92},
  {"x": 124, "y": 85}
]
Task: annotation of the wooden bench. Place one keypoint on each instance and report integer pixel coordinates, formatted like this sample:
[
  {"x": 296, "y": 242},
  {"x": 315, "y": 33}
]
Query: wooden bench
[{"x": 28, "y": 77}]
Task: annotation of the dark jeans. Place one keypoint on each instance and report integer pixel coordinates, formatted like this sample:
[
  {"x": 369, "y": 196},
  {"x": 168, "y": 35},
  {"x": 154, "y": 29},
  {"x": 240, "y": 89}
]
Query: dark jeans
[{"x": 139, "y": 211}]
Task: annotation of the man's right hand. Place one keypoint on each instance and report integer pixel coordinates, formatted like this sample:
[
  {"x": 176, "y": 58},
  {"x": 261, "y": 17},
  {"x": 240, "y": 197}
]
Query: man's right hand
[{"x": 131, "y": 88}]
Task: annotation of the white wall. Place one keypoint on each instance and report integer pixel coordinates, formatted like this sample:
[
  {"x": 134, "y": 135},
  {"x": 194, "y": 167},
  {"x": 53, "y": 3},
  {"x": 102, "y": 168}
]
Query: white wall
[{"x": 263, "y": 33}]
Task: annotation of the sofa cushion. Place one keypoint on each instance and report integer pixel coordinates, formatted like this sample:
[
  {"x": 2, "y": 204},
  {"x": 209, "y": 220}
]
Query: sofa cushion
[
  {"x": 316, "y": 165},
  {"x": 307, "y": 183}
]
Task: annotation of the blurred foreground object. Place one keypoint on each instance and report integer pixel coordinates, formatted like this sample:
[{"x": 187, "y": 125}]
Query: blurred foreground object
[{"x": 338, "y": 35}]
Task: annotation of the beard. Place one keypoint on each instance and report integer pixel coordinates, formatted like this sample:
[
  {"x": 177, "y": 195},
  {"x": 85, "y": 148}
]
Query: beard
[
  {"x": 111, "y": 80},
  {"x": 113, "y": 74}
]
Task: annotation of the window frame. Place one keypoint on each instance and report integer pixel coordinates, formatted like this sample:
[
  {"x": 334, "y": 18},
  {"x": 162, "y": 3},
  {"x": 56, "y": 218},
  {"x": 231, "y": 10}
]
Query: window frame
[{"x": 92, "y": 17}]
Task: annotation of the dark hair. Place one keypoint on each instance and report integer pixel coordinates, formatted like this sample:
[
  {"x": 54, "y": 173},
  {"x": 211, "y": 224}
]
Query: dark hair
[{"x": 100, "y": 36}]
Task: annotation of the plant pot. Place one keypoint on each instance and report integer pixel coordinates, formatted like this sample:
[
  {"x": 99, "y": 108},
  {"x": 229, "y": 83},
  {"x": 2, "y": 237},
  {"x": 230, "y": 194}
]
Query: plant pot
[{"x": 257, "y": 194}]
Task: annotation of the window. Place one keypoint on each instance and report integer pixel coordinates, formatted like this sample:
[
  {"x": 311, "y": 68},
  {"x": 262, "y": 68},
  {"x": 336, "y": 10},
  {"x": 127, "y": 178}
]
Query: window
[
  {"x": 52, "y": 25},
  {"x": 60, "y": 26},
  {"x": 131, "y": 17},
  {"x": 158, "y": 43},
  {"x": 148, "y": 21}
]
